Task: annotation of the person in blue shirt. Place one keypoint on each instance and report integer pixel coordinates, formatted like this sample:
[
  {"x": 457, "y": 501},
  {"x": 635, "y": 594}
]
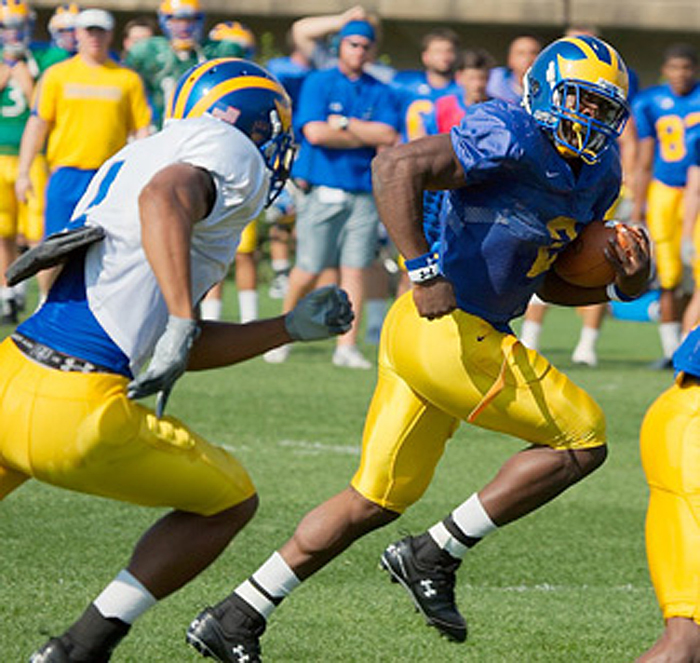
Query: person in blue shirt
[
  {"x": 344, "y": 115},
  {"x": 418, "y": 90},
  {"x": 506, "y": 83},
  {"x": 521, "y": 184},
  {"x": 669, "y": 448}
]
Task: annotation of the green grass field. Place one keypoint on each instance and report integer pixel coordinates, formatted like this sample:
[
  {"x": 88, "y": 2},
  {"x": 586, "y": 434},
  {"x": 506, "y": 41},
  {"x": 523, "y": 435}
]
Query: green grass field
[{"x": 566, "y": 584}]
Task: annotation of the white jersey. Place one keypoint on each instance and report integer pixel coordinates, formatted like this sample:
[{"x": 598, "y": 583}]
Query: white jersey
[{"x": 122, "y": 290}]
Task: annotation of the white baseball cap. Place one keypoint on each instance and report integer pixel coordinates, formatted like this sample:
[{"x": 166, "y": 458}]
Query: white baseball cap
[{"x": 95, "y": 18}]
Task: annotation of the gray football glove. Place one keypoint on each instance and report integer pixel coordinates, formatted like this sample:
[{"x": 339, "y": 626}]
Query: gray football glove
[
  {"x": 168, "y": 363},
  {"x": 321, "y": 314}
]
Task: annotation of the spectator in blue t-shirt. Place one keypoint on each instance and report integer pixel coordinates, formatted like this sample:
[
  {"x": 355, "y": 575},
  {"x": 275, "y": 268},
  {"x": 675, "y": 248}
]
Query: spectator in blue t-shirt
[{"x": 343, "y": 116}]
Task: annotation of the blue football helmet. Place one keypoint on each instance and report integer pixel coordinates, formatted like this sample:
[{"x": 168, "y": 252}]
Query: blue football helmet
[
  {"x": 577, "y": 91},
  {"x": 248, "y": 97},
  {"x": 186, "y": 34}
]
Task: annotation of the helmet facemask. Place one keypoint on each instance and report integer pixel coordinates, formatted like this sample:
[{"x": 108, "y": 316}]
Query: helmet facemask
[
  {"x": 278, "y": 154},
  {"x": 588, "y": 118}
]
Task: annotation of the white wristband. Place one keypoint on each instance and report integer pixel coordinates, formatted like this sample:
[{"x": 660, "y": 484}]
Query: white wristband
[{"x": 423, "y": 274}]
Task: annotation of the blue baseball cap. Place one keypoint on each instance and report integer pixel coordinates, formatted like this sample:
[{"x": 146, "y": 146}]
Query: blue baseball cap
[{"x": 357, "y": 28}]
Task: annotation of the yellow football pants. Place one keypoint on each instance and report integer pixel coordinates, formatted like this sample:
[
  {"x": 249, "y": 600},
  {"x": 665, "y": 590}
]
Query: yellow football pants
[
  {"x": 80, "y": 431},
  {"x": 434, "y": 374},
  {"x": 665, "y": 223},
  {"x": 670, "y": 447},
  {"x": 24, "y": 219}
]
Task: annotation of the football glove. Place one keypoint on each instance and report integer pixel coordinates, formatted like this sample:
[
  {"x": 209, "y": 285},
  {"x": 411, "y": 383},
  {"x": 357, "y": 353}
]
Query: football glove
[
  {"x": 322, "y": 313},
  {"x": 168, "y": 363}
]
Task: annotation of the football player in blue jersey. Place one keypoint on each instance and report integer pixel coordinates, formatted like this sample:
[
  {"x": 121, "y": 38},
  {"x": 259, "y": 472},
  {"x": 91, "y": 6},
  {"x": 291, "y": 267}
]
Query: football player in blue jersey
[
  {"x": 521, "y": 184},
  {"x": 664, "y": 115},
  {"x": 168, "y": 212}
]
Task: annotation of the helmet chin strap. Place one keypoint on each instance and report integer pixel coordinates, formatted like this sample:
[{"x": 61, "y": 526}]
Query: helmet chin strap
[{"x": 578, "y": 130}]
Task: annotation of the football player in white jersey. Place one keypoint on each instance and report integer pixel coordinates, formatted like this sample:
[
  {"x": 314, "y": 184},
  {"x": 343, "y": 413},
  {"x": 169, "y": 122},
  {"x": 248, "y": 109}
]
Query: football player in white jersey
[{"x": 171, "y": 209}]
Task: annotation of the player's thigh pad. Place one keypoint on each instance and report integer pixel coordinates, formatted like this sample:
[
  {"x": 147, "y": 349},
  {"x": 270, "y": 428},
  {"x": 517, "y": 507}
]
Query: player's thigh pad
[
  {"x": 8, "y": 200},
  {"x": 665, "y": 222},
  {"x": 670, "y": 449},
  {"x": 79, "y": 431}
]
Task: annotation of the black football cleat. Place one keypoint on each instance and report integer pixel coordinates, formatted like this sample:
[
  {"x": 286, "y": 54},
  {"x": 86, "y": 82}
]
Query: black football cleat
[
  {"x": 91, "y": 639},
  {"x": 54, "y": 651},
  {"x": 229, "y": 632},
  {"x": 428, "y": 575}
]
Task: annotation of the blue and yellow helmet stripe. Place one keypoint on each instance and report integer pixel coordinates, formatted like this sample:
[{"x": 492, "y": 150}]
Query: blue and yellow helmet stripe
[{"x": 592, "y": 60}]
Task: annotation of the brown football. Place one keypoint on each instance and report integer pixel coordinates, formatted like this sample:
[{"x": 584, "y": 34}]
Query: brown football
[{"x": 583, "y": 262}]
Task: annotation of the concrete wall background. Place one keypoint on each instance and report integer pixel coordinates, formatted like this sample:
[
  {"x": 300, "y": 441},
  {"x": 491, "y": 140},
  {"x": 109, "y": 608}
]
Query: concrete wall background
[{"x": 639, "y": 29}]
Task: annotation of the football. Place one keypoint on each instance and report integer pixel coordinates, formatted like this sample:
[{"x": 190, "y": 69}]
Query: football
[{"x": 583, "y": 262}]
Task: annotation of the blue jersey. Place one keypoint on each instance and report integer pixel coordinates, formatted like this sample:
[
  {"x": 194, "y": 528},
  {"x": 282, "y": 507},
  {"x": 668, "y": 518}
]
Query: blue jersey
[
  {"x": 521, "y": 205},
  {"x": 666, "y": 117},
  {"x": 291, "y": 74},
  {"x": 330, "y": 92},
  {"x": 416, "y": 100},
  {"x": 504, "y": 85},
  {"x": 687, "y": 357}
]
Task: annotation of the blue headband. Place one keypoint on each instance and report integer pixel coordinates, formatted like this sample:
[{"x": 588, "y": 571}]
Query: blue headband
[{"x": 357, "y": 28}]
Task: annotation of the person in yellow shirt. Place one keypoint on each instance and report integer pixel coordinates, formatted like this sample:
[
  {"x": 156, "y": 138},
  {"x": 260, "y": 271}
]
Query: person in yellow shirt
[{"x": 86, "y": 108}]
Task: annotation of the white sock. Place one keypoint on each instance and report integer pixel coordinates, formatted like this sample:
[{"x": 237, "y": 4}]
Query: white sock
[
  {"x": 271, "y": 583},
  {"x": 588, "y": 338},
  {"x": 124, "y": 598},
  {"x": 670, "y": 333},
  {"x": 530, "y": 334},
  {"x": 248, "y": 304},
  {"x": 471, "y": 519},
  {"x": 210, "y": 309},
  {"x": 281, "y": 266},
  {"x": 6, "y": 293}
]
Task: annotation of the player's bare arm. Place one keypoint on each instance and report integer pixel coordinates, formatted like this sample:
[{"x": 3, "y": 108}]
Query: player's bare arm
[
  {"x": 371, "y": 134},
  {"x": 328, "y": 134},
  {"x": 399, "y": 177},
  {"x": 170, "y": 204}
]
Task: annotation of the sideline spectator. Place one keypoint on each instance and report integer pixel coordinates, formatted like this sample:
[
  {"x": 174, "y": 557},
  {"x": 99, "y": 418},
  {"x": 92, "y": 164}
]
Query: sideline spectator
[
  {"x": 87, "y": 107},
  {"x": 506, "y": 83},
  {"x": 344, "y": 115},
  {"x": 662, "y": 114},
  {"x": 62, "y": 28},
  {"x": 161, "y": 60},
  {"x": 317, "y": 37},
  {"x": 472, "y": 76},
  {"x": 417, "y": 91},
  {"x": 136, "y": 30}
]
